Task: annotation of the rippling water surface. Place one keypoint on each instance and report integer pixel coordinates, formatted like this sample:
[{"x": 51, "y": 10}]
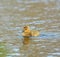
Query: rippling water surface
[{"x": 41, "y": 15}]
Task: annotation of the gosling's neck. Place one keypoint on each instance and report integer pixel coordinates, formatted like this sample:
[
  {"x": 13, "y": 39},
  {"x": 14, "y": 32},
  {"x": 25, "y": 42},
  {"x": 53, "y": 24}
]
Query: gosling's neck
[{"x": 28, "y": 30}]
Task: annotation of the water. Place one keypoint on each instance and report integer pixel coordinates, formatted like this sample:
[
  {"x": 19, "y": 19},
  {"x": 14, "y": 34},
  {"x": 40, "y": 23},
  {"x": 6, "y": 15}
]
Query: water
[{"x": 41, "y": 15}]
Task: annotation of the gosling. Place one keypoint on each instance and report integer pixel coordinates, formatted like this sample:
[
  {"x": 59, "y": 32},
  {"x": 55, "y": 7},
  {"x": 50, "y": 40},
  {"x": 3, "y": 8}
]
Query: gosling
[{"x": 27, "y": 32}]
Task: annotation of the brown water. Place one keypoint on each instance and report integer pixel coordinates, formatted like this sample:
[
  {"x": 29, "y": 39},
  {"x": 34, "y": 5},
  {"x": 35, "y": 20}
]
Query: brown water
[{"x": 41, "y": 15}]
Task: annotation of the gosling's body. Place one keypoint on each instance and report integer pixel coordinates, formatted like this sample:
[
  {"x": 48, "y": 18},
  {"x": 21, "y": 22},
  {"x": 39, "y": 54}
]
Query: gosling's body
[
  {"x": 34, "y": 33},
  {"x": 28, "y": 32}
]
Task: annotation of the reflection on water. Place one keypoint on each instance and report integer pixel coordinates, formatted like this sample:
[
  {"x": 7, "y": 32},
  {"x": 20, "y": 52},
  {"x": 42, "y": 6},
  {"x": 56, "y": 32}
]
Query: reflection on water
[
  {"x": 41, "y": 15},
  {"x": 3, "y": 50},
  {"x": 26, "y": 40}
]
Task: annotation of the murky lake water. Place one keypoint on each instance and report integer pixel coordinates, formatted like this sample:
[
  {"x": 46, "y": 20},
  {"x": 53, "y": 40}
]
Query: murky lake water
[{"x": 41, "y": 15}]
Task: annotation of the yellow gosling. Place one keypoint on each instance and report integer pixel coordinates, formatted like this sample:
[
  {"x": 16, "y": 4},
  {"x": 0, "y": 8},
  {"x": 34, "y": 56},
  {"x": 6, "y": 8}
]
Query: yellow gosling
[{"x": 28, "y": 32}]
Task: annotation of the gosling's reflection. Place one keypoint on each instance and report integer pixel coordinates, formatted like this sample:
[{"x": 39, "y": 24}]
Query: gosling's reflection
[{"x": 26, "y": 40}]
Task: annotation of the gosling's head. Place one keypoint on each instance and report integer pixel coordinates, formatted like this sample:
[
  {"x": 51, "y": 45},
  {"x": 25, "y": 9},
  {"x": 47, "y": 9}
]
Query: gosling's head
[{"x": 26, "y": 28}]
